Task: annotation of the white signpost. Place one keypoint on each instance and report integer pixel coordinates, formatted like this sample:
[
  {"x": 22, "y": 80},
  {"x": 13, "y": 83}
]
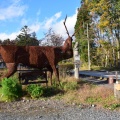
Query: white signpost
[{"x": 76, "y": 61}]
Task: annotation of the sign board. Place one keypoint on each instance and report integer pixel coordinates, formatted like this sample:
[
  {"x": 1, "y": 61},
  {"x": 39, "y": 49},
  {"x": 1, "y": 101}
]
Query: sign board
[
  {"x": 77, "y": 62},
  {"x": 77, "y": 66},
  {"x": 77, "y": 57}
]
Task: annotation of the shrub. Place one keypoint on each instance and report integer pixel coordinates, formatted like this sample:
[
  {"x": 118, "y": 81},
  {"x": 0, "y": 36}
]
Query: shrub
[
  {"x": 11, "y": 88},
  {"x": 72, "y": 85},
  {"x": 35, "y": 91}
]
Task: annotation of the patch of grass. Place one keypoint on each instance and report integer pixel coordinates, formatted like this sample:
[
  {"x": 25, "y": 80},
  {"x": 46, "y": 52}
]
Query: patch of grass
[
  {"x": 96, "y": 94},
  {"x": 51, "y": 91},
  {"x": 74, "y": 91},
  {"x": 69, "y": 85},
  {"x": 79, "y": 91},
  {"x": 87, "y": 93},
  {"x": 93, "y": 100},
  {"x": 35, "y": 91},
  {"x": 112, "y": 106},
  {"x": 11, "y": 89},
  {"x": 0, "y": 91},
  {"x": 39, "y": 91}
]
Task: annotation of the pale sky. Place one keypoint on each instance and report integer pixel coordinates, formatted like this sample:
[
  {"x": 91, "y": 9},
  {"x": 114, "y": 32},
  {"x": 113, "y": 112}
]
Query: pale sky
[{"x": 38, "y": 15}]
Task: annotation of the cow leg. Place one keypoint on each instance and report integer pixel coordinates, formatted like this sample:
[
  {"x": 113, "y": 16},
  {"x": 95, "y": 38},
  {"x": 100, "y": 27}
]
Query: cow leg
[
  {"x": 50, "y": 76},
  {"x": 50, "y": 73},
  {"x": 56, "y": 72},
  {"x": 11, "y": 69}
]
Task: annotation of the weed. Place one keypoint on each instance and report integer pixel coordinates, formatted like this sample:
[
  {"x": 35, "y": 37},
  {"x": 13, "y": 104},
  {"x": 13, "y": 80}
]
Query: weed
[
  {"x": 69, "y": 85},
  {"x": 92, "y": 100},
  {"x": 112, "y": 106},
  {"x": 35, "y": 91},
  {"x": 11, "y": 89}
]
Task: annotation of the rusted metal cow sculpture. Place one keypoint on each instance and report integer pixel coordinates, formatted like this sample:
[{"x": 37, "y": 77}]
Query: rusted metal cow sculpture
[{"x": 36, "y": 56}]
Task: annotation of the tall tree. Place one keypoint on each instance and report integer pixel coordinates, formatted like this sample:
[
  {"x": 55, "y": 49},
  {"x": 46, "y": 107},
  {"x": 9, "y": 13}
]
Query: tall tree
[
  {"x": 27, "y": 38},
  {"x": 108, "y": 15},
  {"x": 105, "y": 27},
  {"x": 8, "y": 42},
  {"x": 84, "y": 31},
  {"x": 52, "y": 39}
]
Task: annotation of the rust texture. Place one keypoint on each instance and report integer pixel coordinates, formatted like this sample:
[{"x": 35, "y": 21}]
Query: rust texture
[{"x": 35, "y": 56}]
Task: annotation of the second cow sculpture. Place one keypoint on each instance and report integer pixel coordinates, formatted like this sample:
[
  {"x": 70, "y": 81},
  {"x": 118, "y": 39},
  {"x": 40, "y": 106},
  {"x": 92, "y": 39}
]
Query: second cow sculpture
[{"x": 35, "y": 56}]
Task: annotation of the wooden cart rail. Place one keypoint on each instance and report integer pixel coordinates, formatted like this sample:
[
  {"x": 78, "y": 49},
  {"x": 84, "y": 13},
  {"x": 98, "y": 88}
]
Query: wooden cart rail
[{"x": 32, "y": 75}]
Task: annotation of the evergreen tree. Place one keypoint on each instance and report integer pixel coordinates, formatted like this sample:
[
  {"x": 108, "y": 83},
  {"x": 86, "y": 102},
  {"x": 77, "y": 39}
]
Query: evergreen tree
[
  {"x": 25, "y": 38},
  {"x": 103, "y": 19},
  {"x": 84, "y": 31}
]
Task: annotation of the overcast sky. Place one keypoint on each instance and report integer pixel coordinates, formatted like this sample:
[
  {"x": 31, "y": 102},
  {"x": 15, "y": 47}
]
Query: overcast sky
[{"x": 38, "y": 15}]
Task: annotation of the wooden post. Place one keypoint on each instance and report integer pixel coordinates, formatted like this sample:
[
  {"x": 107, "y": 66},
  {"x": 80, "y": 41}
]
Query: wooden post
[
  {"x": 117, "y": 90},
  {"x": 117, "y": 87},
  {"x": 111, "y": 80}
]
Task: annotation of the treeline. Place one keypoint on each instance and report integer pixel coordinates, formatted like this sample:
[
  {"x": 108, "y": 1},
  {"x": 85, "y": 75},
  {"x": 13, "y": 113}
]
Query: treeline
[
  {"x": 24, "y": 38},
  {"x": 30, "y": 39},
  {"x": 98, "y": 24}
]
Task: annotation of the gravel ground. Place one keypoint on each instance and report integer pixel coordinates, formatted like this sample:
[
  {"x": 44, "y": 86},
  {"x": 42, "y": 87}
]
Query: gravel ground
[{"x": 53, "y": 110}]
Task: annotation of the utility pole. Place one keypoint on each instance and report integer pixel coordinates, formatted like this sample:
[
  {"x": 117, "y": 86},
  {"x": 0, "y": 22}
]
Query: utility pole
[{"x": 89, "y": 63}]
